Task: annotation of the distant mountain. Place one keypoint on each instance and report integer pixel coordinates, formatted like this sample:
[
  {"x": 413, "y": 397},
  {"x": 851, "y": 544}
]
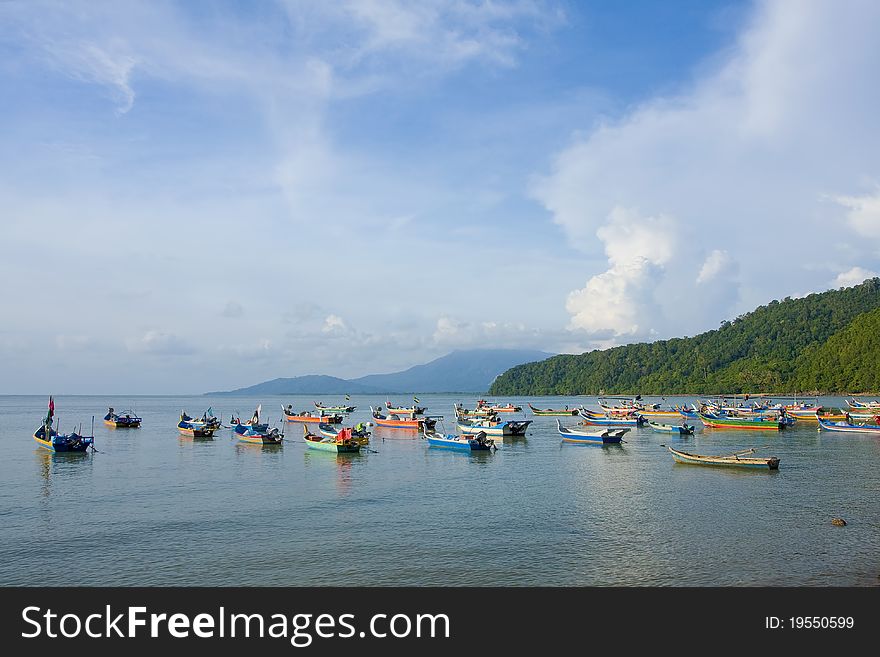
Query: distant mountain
[
  {"x": 471, "y": 370},
  {"x": 302, "y": 385}
]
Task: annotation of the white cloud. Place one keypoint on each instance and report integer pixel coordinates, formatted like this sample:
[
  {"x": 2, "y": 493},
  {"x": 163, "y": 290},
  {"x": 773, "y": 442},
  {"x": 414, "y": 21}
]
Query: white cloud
[
  {"x": 863, "y": 213},
  {"x": 853, "y": 276},
  {"x": 619, "y": 301},
  {"x": 334, "y": 324},
  {"x": 743, "y": 159},
  {"x": 716, "y": 264}
]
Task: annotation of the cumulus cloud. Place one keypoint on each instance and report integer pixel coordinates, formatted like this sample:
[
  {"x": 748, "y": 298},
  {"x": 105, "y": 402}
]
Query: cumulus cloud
[
  {"x": 863, "y": 213},
  {"x": 853, "y": 276},
  {"x": 334, "y": 324},
  {"x": 742, "y": 160},
  {"x": 618, "y": 302}
]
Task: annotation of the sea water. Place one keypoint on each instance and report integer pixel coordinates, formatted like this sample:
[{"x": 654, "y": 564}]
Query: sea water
[{"x": 152, "y": 507}]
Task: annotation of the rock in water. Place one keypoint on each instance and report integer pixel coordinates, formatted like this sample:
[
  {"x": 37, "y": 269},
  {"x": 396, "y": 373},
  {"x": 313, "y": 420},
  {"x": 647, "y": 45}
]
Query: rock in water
[{"x": 838, "y": 522}]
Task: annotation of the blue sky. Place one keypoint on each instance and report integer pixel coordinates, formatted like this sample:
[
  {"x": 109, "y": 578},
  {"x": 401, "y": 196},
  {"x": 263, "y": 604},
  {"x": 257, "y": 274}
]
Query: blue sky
[{"x": 201, "y": 196}]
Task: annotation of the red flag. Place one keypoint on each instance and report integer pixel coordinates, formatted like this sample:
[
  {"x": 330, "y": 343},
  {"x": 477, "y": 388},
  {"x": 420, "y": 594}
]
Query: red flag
[
  {"x": 51, "y": 406},
  {"x": 344, "y": 434}
]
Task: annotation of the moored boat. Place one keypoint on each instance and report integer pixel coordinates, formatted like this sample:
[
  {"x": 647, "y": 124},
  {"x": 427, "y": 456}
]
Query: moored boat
[
  {"x": 309, "y": 417},
  {"x": 125, "y": 420},
  {"x": 580, "y": 436},
  {"x": 50, "y": 439},
  {"x": 734, "y": 460},
  {"x": 753, "y": 424},
  {"x": 194, "y": 428},
  {"x": 247, "y": 434},
  {"x": 479, "y": 442},
  {"x": 342, "y": 443},
  {"x": 342, "y": 408},
  {"x": 553, "y": 411},
  {"x": 360, "y": 432},
  {"x": 684, "y": 429},
  {"x": 415, "y": 409},
  {"x": 493, "y": 427},
  {"x": 394, "y": 421},
  {"x": 848, "y": 427},
  {"x": 497, "y": 407},
  {"x": 254, "y": 423},
  {"x": 601, "y": 420}
]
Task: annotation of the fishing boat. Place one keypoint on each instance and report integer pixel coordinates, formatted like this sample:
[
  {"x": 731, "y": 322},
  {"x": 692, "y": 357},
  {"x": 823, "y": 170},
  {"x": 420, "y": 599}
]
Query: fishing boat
[
  {"x": 248, "y": 434},
  {"x": 691, "y": 413},
  {"x": 342, "y": 443},
  {"x": 463, "y": 413},
  {"x": 480, "y": 442},
  {"x": 553, "y": 411},
  {"x": 854, "y": 403},
  {"x": 254, "y": 423},
  {"x": 579, "y": 436},
  {"x": 650, "y": 414},
  {"x": 208, "y": 419},
  {"x": 359, "y": 433},
  {"x": 334, "y": 409},
  {"x": 124, "y": 420},
  {"x": 50, "y": 439},
  {"x": 737, "y": 459},
  {"x": 498, "y": 408},
  {"x": 493, "y": 427},
  {"x": 394, "y": 421},
  {"x": 848, "y": 427},
  {"x": 401, "y": 410},
  {"x": 598, "y": 419},
  {"x": 309, "y": 417},
  {"x": 752, "y": 424},
  {"x": 684, "y": 429},
  {"x": 194, "y": 428}
]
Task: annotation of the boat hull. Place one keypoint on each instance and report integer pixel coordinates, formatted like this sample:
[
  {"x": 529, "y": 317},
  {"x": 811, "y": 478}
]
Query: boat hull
[
  {"x": 62, "y": 446},
  {"x": 847, "y": 427},
  {"x": 517, "y": 428},
  {"x": 550, "y": 412},
  {"x": 769, "y": 463},
  {"x": 458, "y": 444}
]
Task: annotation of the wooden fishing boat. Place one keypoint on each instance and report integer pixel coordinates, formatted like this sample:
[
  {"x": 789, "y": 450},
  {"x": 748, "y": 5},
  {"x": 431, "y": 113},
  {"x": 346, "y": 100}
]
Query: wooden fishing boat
[
  {"x": 592, "y": 418},
  {"x": 334, "y": 409},
  {"x": 394, "y": 421},
  {"x": 463, "y": 413},
  {"x": 480, "y": 442},
  {"x": 689, "y": 413},
  {"x": 752, "y": 424},
  {"x": 494, "y": 427},
  {"x": 553, "y": 411},
  {"x": 309, "y": 417},
  {"x": 343, "y": 443},
  {"x": 194, "y": 428},
  {"x": 254, "y": 423},
  {"x": 401, "y": 410},
  {"x": 360, "y": 433},
  {"x": 579, "y": 436},
  {"x": 49, "y": 438},
  {"x": 498, "y": 408},
  {"x": 124, "y": 420},
  {"x": 658, "y": 414},
  {"x": 684, "y": 429},
  {"x": 207, "y": 419},
  {"x": 854, "y": 403},
  {"x": 731, "y": 460},
  {"x": 248, "y": 434},
  {"x": 848, "y": 427}
]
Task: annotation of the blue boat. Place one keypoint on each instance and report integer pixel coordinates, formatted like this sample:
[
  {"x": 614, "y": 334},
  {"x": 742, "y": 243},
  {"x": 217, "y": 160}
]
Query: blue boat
[
  {"x": 254, "y": 423},
  {"x": 50, "y": 439},
  {"x": 248, "y": 434},
  {"x": 580, "y": 436},
  {"x": 478, "y": 443}
]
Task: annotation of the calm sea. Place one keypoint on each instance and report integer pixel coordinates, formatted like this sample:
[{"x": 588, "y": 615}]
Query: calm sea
[{"x": 155, "y": 508}]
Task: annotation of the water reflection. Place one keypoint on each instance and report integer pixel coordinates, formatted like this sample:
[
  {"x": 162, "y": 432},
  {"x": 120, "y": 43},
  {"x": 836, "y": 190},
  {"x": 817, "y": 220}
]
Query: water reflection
[{"x": 62, "y": 466}]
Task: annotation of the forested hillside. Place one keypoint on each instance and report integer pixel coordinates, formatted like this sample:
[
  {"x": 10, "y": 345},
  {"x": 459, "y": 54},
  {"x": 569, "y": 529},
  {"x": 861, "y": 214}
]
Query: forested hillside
[{"x": 783, "y": 346}]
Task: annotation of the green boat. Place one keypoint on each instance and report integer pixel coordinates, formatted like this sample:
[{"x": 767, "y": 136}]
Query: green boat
[{"x": 343, "y": 443}]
